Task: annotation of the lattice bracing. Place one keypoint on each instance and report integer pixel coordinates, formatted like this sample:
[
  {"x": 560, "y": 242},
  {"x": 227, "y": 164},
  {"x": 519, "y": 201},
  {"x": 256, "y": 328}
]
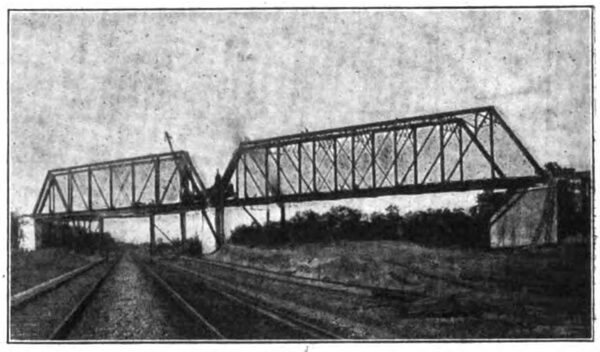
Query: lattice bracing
[
  {"x": 459, "y": 150},
  {"x": 134, "y": 186}
]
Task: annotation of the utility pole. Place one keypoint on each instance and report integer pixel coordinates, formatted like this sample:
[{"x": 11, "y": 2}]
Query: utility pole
[
  {"x": 182, "y": 218},
  {"x": 169, "y": 140}
]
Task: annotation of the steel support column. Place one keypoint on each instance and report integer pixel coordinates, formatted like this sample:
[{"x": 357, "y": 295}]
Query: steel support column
[
  {"x": 282, "y": 218},
  {"x": 101, "y": 235},
  {"x": 219, "y": 212},
  {"x": 152, "y": 235},
  {"x": 183, "y": 227}
]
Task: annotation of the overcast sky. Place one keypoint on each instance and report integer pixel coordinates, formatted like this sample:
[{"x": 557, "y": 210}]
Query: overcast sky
[{"x": 94, "y": 86}]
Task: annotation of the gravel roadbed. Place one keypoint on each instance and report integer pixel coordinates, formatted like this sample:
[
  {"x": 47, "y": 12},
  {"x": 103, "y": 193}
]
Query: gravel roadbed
[{"x": 129, "y": 306}]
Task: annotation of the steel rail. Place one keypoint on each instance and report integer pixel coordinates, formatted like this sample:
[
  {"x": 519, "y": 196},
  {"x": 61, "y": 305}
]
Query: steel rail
[
  {"x": 263, "y": 308},
  {"x": 62, "y": 330},
  {"x": 25, "y": 296},
  {"x": 181, "y": 302},
  {"x": 327, "y": 285}
]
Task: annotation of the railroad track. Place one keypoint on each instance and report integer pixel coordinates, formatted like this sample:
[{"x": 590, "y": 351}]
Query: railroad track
[
  {"x": 363, "y": 304},
  {"x": 227, "y": 313},
  {"x": 49, "y": 310},
  {"x": 408, "y": 292},
  {"x": 352, "y": 311}
]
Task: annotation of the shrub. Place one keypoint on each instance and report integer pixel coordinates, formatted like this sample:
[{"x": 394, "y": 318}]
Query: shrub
[
  {"x": 193, "y": 247},
  {"x": 77, "y": 238},
  {"x": 434, "y": 227}
]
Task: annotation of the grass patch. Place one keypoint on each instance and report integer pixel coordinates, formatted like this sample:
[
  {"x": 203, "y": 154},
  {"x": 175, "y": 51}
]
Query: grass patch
[
  {"x": 30, "y": 268},
  {"x": 527, "y": 292}
]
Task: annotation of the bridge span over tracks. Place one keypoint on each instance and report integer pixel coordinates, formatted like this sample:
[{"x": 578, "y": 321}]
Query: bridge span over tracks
[{"x": 471, "y": 149}]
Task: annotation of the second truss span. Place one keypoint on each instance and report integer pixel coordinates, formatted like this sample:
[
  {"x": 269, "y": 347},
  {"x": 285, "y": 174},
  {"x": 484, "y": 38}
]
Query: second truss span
[{"x": 453, "y": 151}]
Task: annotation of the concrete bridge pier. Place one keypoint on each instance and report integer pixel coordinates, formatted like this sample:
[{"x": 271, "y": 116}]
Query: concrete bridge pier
[{"x": 528, "y": 217}]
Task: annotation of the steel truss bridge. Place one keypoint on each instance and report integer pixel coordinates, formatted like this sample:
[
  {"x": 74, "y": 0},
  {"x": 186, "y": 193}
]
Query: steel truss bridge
[{"x": 472, "y": 149}]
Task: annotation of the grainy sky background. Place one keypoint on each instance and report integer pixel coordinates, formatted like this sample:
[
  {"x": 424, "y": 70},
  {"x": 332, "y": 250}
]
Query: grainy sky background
[{"x": 93, "y": 86}]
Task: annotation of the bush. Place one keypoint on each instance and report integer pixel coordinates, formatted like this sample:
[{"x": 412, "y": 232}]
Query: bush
[
  {"x": 444, "y": 228},
  {"x": 77, "y": 238},
  {"x": 434, "y": 227},
  {"x": 193, "y": 247}
]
